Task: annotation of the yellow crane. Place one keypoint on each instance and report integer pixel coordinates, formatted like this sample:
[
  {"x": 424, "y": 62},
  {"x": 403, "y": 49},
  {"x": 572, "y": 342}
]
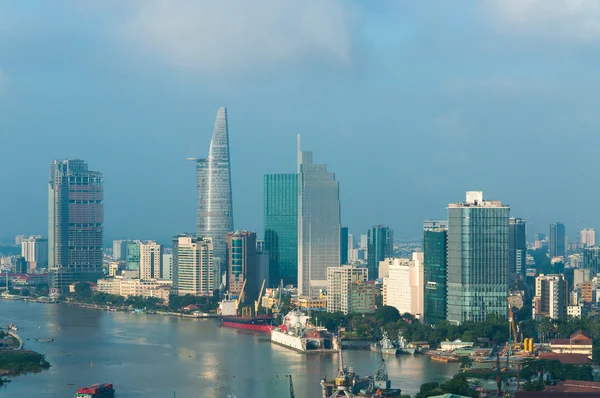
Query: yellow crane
[
  {"x": 257, "y": 302},
  {"x": 239, "y": 299}
]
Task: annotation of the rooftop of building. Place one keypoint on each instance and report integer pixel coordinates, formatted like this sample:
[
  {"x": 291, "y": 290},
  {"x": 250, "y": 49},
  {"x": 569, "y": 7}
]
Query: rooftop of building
[
  {"x": 475, "y": 199},
  {"x": 566, "y": 388},
  {"x": 566, "y": 359},
  {"x": 578, "y": 338}
]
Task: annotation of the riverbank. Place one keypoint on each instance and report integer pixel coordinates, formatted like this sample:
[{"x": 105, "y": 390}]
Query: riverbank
[{"x": 17, "y": 362}]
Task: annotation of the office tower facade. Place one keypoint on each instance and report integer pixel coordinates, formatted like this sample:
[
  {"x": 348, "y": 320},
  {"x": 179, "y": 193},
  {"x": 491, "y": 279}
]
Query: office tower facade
[
  {"x": 20, "y": 265},
  {"x": 133, "y": 255},
  {"x": 517, "y": 247},
  {"x": 193, "y": 267},
  {"x": 477, "y": 259},
  {"x": 318, "y": 224},
  {"x": 281, "y": 227},
  {"x": 342, "y": 282},
  {"x": 379, "y": 247},
  {"x": 151, "y": 260},
  {"x": 403, "y": 285},
  {"x": 591, "y": 259},
  {"x": 435, "y": 237},
  {"x": 580, "y": 275},
  {"x": 215, "y": 207},
  {"x": 588, "y": 237},
  {"x": 120, "y": 250},
  {"x": 557, "y": 244},
  {"x": 551, "y": 297},
  {"x": 35, "y": 251},
  {"x": 75, "y": 223},
  {"x": 242, "y": 264},
  {"x": 344, "y": 246},
  {"x": 167, "y": 266}
]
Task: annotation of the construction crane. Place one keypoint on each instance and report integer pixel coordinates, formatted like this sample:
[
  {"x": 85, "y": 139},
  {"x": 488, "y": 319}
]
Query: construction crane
[
  {"x": 239, "y": 299},
  {"x": 292, "y": 395},
  {"x": 512, "y": 338},
  {"x": 257, "y": 302}
]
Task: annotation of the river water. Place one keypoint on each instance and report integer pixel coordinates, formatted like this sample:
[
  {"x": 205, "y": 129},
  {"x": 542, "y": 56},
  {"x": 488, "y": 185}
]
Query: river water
[{"x": 157, "y": 356}]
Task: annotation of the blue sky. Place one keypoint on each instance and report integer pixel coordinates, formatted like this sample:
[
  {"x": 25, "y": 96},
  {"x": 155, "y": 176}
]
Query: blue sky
[{"x": 409, "y": 103}]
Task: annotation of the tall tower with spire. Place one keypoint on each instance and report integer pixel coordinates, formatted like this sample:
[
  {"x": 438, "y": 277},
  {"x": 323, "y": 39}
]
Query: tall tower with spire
[{"x": 214, "y": 217}]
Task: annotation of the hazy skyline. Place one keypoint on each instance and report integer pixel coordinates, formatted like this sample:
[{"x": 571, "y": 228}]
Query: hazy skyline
[{"x": 410, "y": 104}]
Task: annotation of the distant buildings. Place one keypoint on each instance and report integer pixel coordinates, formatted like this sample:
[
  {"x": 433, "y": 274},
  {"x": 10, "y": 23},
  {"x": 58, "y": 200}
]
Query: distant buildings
[
  {"x": 557, "y": 245},
  {"x": 379, "y": 247},
  {"x": 318, "y": 224},
  {"x": 75, "y": 223},
  {"x": 193, "y": 266},
  {"x": 588, "y": 237},
  {"x": 551, "y": 297},
  {"x": 435, "y": 236},
  {"x": 119, "y": 250},
  {"x": 477, "y": 259},
  {"x": 403, "y": 287},
  {"x": 281, "y": 227},
  {"x": 150, "y": 260},
  {"x": 35, "y": 251},
  {"x": 215, "y": 208},
  {"x": 126, "y": 287},
  {"x": 344, "y": 246},
  {"x": 591, "y": 259},
  {"x": 348, "y": 290},
  {"x": 167, "y": 264},
  {"x": 517, "y": 247},
  {"x": 132, "y": 257},
  {"x": 242, "y": 264}
]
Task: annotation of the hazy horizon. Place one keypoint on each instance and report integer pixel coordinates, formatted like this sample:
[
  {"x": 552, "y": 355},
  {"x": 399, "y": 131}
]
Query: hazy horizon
[{"x": 409, "y": 105}]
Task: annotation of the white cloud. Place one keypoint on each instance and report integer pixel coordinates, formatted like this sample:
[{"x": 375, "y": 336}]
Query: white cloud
[
  {"x": 233, "y": 35},
  {"x": 569, "y": 19}
]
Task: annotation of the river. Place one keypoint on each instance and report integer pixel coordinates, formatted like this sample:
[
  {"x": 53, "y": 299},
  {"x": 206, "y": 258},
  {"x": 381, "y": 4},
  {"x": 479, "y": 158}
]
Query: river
[{"x": 157, "y": 356}]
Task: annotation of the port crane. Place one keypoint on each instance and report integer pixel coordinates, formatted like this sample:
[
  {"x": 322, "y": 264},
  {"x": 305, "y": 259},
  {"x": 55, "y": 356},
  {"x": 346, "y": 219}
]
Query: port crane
[
  {"x": 257, "y": 302},
  {"x": 239, "y": 299}
]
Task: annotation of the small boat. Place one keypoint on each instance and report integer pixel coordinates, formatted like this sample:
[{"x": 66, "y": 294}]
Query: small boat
[
  {"x": 47, "y": 340},
  {"x": 96, "y": 391},
  {"x": 444, "y": 358},
  {"x": 12, "y": 327}
]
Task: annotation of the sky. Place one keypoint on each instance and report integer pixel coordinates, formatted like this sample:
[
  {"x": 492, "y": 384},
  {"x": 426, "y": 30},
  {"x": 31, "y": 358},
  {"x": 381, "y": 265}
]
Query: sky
[{"x": 410, "y": 104}]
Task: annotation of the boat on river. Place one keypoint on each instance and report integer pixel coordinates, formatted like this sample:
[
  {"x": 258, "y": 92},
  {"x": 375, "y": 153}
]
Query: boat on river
[
  {"x": 96, "y": 391},
  {"x": 387, "y": 346}
]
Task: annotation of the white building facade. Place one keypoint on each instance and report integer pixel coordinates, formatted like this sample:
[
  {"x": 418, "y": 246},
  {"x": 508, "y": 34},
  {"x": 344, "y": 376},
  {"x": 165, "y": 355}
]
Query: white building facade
[
  {"x": 339, "y": 286},
  {"x": 403, "y": 285},
  {"x": 150, "y": 260}
]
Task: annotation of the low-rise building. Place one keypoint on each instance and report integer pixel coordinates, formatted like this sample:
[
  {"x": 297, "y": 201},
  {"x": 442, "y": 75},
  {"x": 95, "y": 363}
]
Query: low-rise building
[
  {"x": 578, "y": 343},
  {"x": 125, "y": 287},
  {"x": 455, "y": 345},
  {"x": 575, "y": 311},
  {"x": 305, "y": 303}
]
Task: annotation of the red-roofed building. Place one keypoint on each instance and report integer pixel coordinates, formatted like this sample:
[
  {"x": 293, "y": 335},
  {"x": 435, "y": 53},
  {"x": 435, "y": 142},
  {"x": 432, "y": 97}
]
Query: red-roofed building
[
  {"x": 190, "y": 307},
  {"x": 579, "y": 343},
  {"x": 567, "y": 359},
  {"x": 567, "y": 388}
]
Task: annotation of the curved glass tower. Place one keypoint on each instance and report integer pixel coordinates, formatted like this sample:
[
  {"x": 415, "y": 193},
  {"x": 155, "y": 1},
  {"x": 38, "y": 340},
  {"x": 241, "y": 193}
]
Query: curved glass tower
[{"x": 214, "y": 217}]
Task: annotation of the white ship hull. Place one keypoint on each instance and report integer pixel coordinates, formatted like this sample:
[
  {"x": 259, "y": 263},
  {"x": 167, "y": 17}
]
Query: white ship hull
[{"x": 288, "y": 340}]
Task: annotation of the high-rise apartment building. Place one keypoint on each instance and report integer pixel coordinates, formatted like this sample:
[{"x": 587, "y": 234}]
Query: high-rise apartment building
[
  {"x": 242, "y": 264},
  {"x": 517, "y": 247},
  {"x": 435, "y": 236},
  {"x": 379, "y": 247},
  {"x": 215, "y": 208},
  {"x": 318, "y": 224},
  {"x": 150, "y": 260},
  {"x": 342, "y": 281},
  {"x": 167, "y": 264},
  {"x": 281, "y": 227},
  {"x": 403, "y": 287},
  {"x": 193, "y": 267},
  {"x": 344, "y": 246},
  {"x": 477, "y": 259},
  {"x": 35, "y": 251},
  {"x": 551, "y": 297},
  {"x": 120, "y": 250},
  {"x": 588, "y": 237},
  {"x": 557, "y": 245},
  {"x": 75, "y": 223}
]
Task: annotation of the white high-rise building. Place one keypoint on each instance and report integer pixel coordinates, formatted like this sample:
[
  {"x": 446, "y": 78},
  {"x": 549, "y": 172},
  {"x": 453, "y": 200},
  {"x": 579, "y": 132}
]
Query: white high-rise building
[
  {"x": 150, "y": 260},
  {"x": 588, "y": 237},
  {"x": 193, "y": 266},
  {"x": 340, "y": 283},
  {"x": 364, "y": 241},
  {"x": 403, "y": 285},
  {"x": 318, "y": 224},
  {"x": 35, "y": 251},
  {"x": 551, "y": 297}
]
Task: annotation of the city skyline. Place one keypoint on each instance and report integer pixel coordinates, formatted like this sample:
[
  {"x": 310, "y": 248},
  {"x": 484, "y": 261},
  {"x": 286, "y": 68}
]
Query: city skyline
[{"x": 134, "y": 111}]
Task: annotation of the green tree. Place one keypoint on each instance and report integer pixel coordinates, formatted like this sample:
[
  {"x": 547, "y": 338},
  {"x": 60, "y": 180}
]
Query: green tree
[{"x": 387, "y": 314}]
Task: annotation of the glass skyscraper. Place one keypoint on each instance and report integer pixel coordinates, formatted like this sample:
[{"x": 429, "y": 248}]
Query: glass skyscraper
[
  {"x": 281, "y": 227},
  {"x": 379, "y": 247},
  {"x": 435, "y": 235},
  {"x": 344, "y": 246},
  {"x": 75, "y": 223},
  {"x": 517, "y": 247},
  {"x": 318, "y": 224},
  {"x": 477, "y": 259},
  {"x": 557, "y": 247},
  {"x": 215, "y": 209}
]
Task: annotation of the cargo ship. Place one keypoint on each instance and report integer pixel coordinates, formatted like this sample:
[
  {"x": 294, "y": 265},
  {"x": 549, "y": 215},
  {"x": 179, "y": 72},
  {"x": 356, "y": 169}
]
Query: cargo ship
[
  {"x": 96, "y": 391},
  {"x": 228, "y": 311},
  {"x": 297, "y": 333}
]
